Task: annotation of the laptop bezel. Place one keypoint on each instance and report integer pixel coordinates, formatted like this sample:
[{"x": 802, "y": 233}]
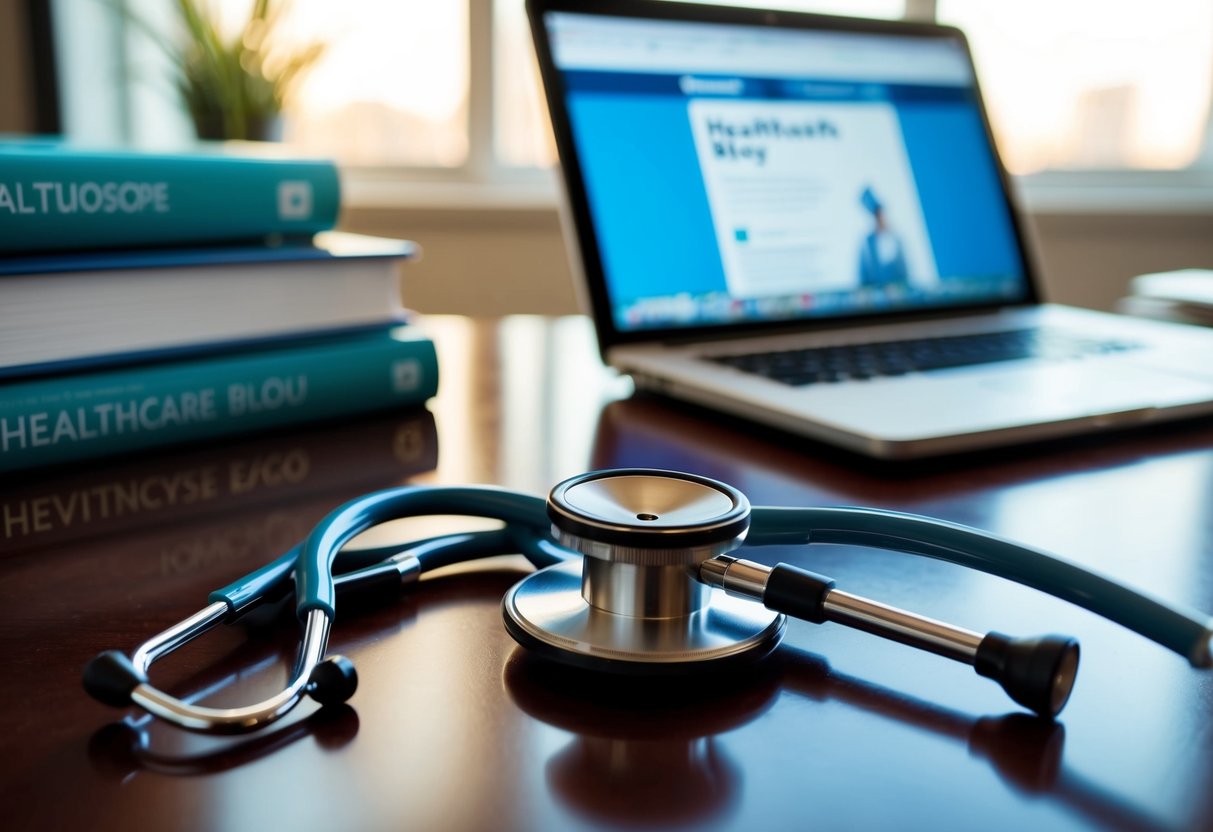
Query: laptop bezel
[{"x": 589, "y": 259}]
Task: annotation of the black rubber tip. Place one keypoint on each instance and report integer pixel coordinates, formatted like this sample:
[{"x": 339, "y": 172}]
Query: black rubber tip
[
  {"x": 1038, "y": 673},
  {"x": 110, "y": 677},
  {"x": 333, "y": 681}
]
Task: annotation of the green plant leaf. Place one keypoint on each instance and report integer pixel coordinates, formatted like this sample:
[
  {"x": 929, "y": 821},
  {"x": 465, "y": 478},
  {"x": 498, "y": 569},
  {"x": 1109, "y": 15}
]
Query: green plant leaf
[{"x": 230, "y": 86}]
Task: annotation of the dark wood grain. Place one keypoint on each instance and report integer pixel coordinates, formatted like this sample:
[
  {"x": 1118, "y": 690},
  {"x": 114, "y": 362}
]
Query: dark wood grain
[{"x": 455, "y": 728}]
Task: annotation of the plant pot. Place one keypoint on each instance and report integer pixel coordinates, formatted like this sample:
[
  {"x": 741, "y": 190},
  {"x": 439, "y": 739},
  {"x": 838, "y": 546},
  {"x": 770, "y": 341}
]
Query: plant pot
[{"x": 212, "y": 126}]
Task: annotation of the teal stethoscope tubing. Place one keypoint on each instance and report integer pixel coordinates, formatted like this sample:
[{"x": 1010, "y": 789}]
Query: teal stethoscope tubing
[
  {"x": 527, "y": 530},
  {"x": 1184, "y": 631},
  {"x": 314, "y": 561}
]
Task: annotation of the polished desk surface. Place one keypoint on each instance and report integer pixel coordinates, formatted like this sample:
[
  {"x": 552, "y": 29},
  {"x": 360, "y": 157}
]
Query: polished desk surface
[{"x": 454, "y": 728}]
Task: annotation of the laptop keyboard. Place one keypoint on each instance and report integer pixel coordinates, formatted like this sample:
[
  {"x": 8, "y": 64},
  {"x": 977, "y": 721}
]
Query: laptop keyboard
[{"x": 895, "y": 358}]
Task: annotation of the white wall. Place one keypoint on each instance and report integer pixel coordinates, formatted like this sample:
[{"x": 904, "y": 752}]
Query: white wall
[
  {"x": 478, "y": 262},
  {"x": 1087, "y": 259},
  {"x": 496, "y": 261}
]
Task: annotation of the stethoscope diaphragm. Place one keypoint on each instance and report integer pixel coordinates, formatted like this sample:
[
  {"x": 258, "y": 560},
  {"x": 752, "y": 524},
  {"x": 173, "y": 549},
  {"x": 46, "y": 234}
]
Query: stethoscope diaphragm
[{"x": 635, "y": 602}]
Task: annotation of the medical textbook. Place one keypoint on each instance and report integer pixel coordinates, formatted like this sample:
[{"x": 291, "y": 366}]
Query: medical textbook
[
  {"x": 54, "y": 197},
  {"x": 58, "y": 419},
  {"x": 89, "y": 309}
]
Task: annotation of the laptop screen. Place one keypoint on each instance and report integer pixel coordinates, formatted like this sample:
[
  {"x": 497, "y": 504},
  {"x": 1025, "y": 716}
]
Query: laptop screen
[{"x": 736, "y": 173}]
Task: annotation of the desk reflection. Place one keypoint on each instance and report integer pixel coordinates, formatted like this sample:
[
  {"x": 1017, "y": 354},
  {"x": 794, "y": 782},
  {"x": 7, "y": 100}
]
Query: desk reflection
[
  {"x": 649, "y": 752},
  {"x": 454, "y": 728},
  {"x": 644, "y": 751},
  {"x": 121, "y": 749}
]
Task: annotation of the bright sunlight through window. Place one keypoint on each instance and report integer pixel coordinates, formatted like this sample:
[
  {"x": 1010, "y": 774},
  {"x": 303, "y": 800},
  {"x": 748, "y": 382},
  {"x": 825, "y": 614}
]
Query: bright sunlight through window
[
  {"x": 1092, "y": 83},
  {"x": 1082, "y": 84}
]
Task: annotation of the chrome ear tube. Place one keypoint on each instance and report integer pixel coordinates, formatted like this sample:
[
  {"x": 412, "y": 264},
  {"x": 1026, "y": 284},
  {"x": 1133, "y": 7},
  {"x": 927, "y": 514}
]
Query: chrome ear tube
[{"x": 647, "y": 598}]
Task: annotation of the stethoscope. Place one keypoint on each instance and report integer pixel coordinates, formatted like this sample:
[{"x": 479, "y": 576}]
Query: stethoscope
[{"x": 657, "y": 591}]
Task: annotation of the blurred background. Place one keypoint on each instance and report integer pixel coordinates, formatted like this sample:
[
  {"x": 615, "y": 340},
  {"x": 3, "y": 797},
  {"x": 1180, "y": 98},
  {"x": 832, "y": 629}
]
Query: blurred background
[{"x": 1102, "y": 111}]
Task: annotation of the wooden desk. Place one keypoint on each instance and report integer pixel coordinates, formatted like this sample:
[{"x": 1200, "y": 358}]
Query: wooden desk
[{"x": 453, "y": 728}]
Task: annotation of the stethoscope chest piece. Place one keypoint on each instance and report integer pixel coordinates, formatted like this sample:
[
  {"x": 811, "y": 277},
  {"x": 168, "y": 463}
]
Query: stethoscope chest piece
[{"x": 635, "y": 603}]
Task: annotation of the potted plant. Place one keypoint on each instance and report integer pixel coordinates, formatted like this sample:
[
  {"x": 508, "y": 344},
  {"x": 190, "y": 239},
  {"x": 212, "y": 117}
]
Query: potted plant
[{"x": 235, "y": 86}]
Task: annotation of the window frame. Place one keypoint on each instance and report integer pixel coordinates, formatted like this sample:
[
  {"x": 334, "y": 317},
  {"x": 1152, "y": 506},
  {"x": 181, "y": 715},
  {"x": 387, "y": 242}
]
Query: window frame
[{"x": 482, "y": 181}]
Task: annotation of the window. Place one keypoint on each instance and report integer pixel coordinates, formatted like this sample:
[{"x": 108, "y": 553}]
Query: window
[
  {"x": 521, "y": 137},
  {"x": 392, "y": 86},
  {"x": 416, "y": 89},
  {"x": 1092, "y": 84},
  {"x": 521, "y": 134}
]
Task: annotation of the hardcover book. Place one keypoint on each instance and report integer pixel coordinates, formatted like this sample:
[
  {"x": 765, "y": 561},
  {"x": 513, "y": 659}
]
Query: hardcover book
[
  {"x": 56, "y": 197},
  {"x": 94, "y": 308},
  {"x": 1185, "y": 296},
  {"x": 68, "y": 418}
]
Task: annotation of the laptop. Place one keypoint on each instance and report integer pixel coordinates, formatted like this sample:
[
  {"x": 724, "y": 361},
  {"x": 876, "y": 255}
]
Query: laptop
[{"x": 802, "y": 220}]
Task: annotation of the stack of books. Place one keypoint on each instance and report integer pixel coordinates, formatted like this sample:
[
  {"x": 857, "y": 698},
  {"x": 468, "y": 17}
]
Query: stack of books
[
  {"x": 153, "y": 299},
  {"x": 1184, "y": 296}
]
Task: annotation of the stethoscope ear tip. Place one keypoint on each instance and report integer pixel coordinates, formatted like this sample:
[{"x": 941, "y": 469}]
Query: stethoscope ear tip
[
  {"x": 111, "y": 677},
  {"x": 333, "y": 681}
]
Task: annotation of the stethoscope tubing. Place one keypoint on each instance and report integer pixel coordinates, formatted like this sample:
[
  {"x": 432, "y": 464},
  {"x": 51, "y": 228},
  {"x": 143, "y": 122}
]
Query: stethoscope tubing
[
  {"x": 1185, "y": 631},
  {"x": 314, "y": 560},
  {"x": 313, "y": 575},
  {"x": 1182, "y": 630},
  {"x": 321, "y": 563},
  {"x": 355, "y": 567}
]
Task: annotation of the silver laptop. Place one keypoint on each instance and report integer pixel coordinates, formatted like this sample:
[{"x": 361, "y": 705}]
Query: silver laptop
[{"x": 802, "y": 220}]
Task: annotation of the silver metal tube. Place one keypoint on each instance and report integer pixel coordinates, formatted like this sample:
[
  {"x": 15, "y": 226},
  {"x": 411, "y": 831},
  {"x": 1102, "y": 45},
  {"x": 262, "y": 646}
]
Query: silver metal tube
[
  {"x": 899, "y": 625},
  {"x": 746, "y": 579},
  {"x": 712, "y": 570},
  {"x": 743, "y": 578},
  {"x": 230, "y": 720},
  {"x": 183, "y": 632}
]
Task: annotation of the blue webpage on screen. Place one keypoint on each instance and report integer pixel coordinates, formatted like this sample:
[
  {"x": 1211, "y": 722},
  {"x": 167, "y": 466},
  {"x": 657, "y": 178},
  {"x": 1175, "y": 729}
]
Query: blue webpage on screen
[{"x": 724, "y": 198}]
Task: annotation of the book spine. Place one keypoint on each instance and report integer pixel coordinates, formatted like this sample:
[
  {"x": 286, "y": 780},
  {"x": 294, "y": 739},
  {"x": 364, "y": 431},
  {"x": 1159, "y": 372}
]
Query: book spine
[
  {"x": 72, "y": 200},
  {"x": 71, "y": 418}
]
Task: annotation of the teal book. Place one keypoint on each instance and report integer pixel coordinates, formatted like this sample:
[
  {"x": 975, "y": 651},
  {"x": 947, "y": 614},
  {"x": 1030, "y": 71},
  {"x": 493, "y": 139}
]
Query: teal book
[
  {"x": 58, "y": 419},
  {"x": 54, "y": 198}
]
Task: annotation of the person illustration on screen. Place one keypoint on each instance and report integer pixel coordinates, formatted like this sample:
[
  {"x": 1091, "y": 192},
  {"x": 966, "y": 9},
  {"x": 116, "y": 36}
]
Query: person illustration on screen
[{"x": 882, "y": 259}]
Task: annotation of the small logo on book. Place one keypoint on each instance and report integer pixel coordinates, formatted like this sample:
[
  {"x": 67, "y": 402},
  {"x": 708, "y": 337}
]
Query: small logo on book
[
  {"x": 406, "y": 375},
  {"x": 294, "y": 200}
]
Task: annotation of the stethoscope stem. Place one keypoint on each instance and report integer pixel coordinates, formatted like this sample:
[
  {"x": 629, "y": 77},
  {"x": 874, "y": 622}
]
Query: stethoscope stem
[
  {"x": 1187, "y": 632},
  {"x": 1038, "y": 673},
  {"x": 895, "y": 624},
  {"x": 818, "y": 600}
]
